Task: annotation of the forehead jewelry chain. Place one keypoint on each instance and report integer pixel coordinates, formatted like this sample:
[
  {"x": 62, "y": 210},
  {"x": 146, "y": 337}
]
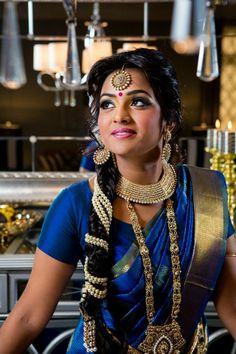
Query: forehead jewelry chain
[
  {"x": 167, "y": 338},
  {"x": 121, "y": 79}
]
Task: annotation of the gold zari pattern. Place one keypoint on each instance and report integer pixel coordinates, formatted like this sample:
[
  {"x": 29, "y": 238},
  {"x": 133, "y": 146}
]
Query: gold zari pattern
[{"x": 151, "y": 193}]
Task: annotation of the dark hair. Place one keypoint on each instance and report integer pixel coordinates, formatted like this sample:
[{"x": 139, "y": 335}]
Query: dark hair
[{"x": 162, "y": 78}]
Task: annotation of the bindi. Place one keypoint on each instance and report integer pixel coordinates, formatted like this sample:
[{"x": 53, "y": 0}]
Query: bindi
[{"x": 120, "y": 94}]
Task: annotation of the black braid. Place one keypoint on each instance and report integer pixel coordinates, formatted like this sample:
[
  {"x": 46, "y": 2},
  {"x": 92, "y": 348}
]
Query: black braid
[{"x": 99, "y": 265}]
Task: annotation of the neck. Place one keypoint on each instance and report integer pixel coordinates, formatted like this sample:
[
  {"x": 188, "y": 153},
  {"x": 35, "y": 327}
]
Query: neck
[{"x": 140, "y": 172}]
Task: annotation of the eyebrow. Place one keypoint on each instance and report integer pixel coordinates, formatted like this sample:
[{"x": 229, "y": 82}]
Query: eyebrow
[{"x": 133, "y": 92}]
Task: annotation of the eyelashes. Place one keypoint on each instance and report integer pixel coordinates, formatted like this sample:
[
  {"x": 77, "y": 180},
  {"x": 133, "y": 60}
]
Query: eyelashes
[{"x": 139, "y": 102}]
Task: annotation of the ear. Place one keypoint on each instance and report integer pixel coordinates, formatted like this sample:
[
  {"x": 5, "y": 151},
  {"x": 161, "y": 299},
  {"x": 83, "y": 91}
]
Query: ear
[{"x": 167, "y": 126}]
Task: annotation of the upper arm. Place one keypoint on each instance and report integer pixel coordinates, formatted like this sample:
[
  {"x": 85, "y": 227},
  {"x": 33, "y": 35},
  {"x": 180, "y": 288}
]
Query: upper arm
[
  {"x": 225, "y": 299},
  {"x": 59, "y": 236},
  {"x": 45, "y": 286}
]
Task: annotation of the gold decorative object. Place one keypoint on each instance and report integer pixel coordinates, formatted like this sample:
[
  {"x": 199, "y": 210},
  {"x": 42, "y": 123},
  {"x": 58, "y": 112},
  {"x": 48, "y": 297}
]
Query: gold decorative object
[
  {"x": 227, "y": 149},
  {"x": 221, "y": 144},
  {"x": 121, "y": 80},
  {"x": 16, "y": 223}
]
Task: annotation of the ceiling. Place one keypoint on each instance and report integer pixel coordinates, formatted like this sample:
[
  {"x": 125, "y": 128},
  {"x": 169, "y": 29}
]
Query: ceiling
[{"x": 123, "y": 17}]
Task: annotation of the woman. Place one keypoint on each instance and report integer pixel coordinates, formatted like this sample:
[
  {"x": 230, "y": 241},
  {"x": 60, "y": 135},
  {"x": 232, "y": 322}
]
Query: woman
[{"x": 155, "y": 238}]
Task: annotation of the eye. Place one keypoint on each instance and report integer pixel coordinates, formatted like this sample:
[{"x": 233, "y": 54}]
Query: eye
[
  {"x": 140, "y": 102},
  {"x": 106, "y": 104}
]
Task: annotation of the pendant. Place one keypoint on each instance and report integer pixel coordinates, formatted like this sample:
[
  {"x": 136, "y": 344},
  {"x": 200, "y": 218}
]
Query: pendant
[{"x": 165, "y": 339}]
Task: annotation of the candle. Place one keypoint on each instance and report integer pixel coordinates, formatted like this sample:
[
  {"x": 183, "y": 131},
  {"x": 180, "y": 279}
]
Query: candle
[
  {"x": 227, "y": 142},
  {"x": 212, "y": 139},
  {"x": 212, "y": 136}
]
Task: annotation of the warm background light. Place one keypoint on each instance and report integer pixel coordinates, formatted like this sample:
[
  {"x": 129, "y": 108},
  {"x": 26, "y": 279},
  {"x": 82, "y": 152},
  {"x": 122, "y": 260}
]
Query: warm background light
[
  {"x": 217, "y": 124},
  {"x": 95, "y": 51},
  {"x": 57, "y": 56},
  {"x": 230, "y": 125},
  {"x": 41, "y": 57}
]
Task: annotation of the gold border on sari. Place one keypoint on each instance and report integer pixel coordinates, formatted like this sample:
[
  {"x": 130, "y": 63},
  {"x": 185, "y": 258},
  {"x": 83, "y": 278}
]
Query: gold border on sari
[{"x": 210, "y": 227}]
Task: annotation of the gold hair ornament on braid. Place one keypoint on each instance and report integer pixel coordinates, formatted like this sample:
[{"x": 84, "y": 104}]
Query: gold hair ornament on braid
[
  {"x": 102, "y": 206},
  {"x": 96, "y": 241},
  {"x": 121, "y": 79},
  {"x": 91, "y": 278},
  {"x": 103, "y": 209}
]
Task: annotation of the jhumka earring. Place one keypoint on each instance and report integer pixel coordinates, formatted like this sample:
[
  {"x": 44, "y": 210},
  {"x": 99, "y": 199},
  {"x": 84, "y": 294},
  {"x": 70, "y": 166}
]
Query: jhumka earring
[
  {"x": 166, "y": 150},
  {"x": 101, "y": 155}
]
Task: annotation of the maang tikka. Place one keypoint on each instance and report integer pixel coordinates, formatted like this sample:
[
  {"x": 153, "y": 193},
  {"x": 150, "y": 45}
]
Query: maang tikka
[
  {"x": 166, "y": 150},
  {"x": 121, "y": 79}
]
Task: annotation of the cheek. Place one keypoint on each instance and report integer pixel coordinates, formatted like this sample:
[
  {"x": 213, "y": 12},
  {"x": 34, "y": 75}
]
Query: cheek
[
  {"x": 152, "y": 123},
  {"x": 101, "y": 125}
]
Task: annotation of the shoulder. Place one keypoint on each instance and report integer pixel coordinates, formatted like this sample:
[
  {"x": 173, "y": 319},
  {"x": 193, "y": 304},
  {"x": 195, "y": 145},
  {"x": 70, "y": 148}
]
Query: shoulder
[
  {"x": 74, "y": 196},
  {"x": 202, "y": 180},
  {"x": 200, "y": 174}
]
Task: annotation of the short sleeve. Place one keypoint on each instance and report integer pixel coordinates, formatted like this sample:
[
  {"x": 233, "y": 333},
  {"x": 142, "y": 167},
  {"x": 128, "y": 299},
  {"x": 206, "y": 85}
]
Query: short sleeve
[{"x": 59, "y": 236}]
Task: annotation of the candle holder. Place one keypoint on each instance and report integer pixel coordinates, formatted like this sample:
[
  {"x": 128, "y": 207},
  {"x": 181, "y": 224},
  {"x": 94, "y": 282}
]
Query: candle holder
[
  {"x": 216, "y": 160},
  {"x": 227, "y": 148}
]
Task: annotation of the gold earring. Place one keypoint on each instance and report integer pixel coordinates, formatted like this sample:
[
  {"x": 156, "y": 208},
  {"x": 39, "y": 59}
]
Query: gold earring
[
  {"x": 101, "y": 155},
  {"x": 166, "y": 150},
  {"x": 114, "y": 160}
]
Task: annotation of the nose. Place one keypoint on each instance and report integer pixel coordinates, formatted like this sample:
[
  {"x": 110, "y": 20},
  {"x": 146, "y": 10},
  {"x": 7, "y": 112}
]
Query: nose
[{"x": 122, "y": 115}]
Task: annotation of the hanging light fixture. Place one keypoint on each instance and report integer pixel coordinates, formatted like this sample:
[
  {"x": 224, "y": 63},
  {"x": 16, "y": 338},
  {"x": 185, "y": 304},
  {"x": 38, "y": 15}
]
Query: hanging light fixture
[
  {"x": 50, "y": 60},
  {"x": 186, "y": 26},
  {"x": 127, "y": 46},
  {"x": 60, "y": 61},
  {"x": 95, "y": 45},
  {"x": 12, "y": 75},
  {"x": 207, "y": 67},
  {"x": 72, "y": 76}
]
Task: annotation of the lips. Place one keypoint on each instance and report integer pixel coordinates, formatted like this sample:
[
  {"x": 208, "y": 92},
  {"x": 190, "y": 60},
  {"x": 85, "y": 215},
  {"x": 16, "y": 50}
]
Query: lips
[{"x": 123, "y": 133}]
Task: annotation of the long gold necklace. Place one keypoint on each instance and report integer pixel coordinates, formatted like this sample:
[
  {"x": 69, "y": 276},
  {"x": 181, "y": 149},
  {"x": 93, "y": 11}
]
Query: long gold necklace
[
  {"x": 151, "y": 193},
  {"x": 167, "y": 338}
]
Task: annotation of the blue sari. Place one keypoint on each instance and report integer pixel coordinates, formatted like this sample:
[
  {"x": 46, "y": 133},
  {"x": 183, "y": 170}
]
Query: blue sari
[
  {"x": 125, "y": 305},
  {"x": 63, "y": 237}
]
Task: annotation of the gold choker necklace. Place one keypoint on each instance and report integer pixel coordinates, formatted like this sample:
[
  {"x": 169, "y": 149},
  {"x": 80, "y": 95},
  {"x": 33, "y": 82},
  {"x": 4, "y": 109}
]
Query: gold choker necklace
[{"x": 151, "y": 193}]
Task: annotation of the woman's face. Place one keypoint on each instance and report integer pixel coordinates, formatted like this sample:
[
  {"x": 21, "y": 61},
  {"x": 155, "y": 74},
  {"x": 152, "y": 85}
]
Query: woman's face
[{"x": 130, "y": 120}]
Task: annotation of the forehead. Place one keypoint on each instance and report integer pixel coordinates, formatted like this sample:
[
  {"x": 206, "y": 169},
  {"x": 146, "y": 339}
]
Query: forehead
[{"x": 138, "y": 81}]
